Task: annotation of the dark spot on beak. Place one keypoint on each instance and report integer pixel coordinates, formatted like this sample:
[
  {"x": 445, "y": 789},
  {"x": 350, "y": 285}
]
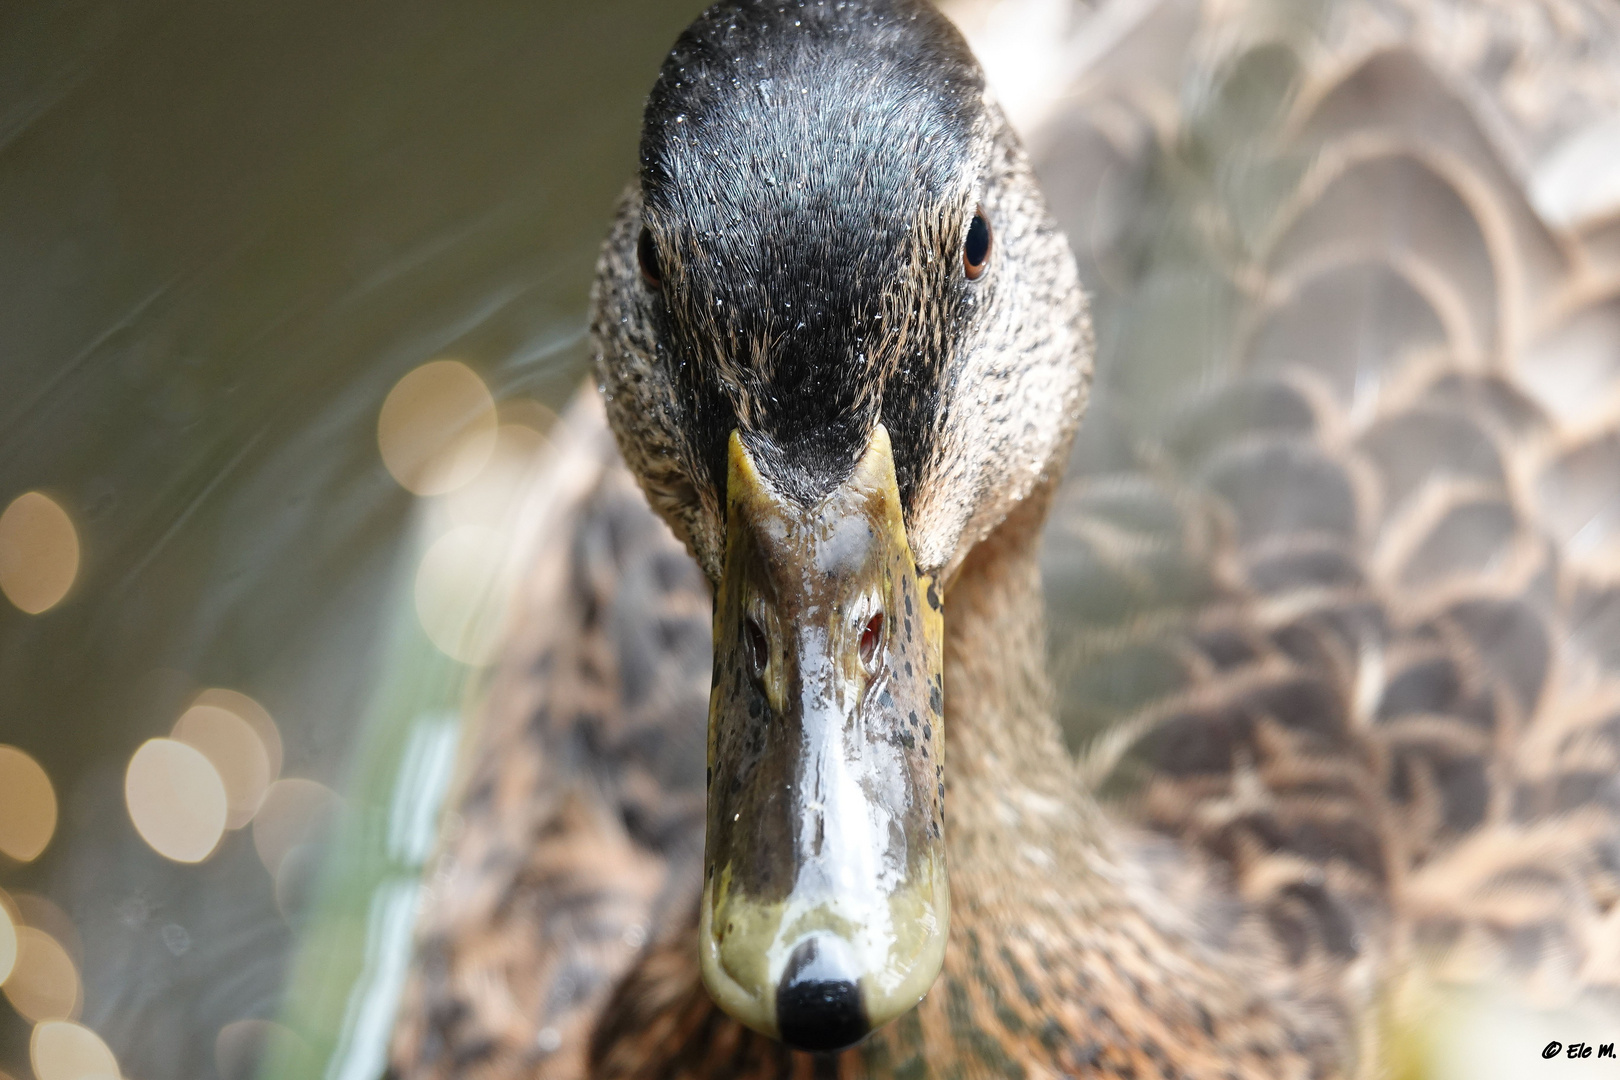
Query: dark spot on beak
[{"x": 818, "y": 1004}]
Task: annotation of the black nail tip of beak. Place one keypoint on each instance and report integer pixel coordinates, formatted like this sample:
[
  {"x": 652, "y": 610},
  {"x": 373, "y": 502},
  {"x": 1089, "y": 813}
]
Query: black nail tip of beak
[{"x": 818, "y": 1004}]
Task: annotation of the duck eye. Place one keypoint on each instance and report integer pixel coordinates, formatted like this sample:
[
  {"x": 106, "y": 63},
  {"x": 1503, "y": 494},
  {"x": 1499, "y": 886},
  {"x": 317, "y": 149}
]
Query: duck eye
[
  {"x": 976, "y": 248},
  {"x": 647, "y": 257},
  {"x": 871, "y": 638}
]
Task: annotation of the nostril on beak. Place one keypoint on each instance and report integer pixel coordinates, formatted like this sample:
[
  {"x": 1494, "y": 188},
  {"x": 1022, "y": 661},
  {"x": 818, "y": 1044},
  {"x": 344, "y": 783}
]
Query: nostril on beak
[
  {"x": 759, "y": 649},
  {"x": 871, "y": 638},
  {"x": 818, "y": 1004}
]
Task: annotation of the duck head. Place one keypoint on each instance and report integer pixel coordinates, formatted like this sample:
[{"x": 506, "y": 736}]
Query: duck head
[{"x": 839, "y": 340}]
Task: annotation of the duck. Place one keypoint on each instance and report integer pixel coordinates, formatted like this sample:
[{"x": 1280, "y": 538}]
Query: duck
[{"x": 1116, "y": 582}]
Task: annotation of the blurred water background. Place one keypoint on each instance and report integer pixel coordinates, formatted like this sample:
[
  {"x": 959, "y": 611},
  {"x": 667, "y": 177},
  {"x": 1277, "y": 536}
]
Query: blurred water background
[{"x": 226, "y": 234}]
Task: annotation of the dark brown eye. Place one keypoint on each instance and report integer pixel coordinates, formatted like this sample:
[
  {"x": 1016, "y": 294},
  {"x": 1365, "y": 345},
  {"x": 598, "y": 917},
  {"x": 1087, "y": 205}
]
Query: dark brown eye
[
  {"x": 647, "y": 257},
  {"x": 976, "y": 248},
  {"x": 871, "y": 638},
  {"x": 758, "y": 648}
]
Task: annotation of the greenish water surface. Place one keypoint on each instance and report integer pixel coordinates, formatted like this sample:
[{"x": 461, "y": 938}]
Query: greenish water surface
[{"x": 226, "y": 231}]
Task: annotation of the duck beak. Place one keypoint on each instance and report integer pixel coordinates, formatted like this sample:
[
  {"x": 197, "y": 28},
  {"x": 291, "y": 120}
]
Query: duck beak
[{"x": 825, "y": 899}]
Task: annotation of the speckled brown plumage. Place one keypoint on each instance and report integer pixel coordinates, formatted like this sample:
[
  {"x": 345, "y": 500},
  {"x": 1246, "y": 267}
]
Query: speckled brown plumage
[
  {"x": 573, "y": 841},
  {"x": 1333, "y": 584}
]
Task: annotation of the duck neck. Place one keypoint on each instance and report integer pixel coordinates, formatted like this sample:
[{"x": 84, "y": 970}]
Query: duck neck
[
  {"x": 1001, "y": 739},
  {"x": 1052, "y": 904}
]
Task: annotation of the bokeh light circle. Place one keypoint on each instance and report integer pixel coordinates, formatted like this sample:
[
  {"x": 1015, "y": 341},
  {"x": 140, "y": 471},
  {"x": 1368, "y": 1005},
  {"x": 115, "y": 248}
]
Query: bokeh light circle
[
  {"x": 44, "y": 983},
  {"x": 27, "y": 805},
  {"x": 437, "y": 428},
  {"x": 497, "y": 494},
  {"x": 8, "y": 942},
  {"x": 234, "y": 748},
  {"x": 295, "y": 812},
  {"x": 457, "y": 592},
  {"x": 63, "y": 1050},
  {"x": 39, "y": 552},
  {"x": 233, "y": 701},
  {"x": 176, "y": 799},
  {"x": 32, "y": 909}
]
